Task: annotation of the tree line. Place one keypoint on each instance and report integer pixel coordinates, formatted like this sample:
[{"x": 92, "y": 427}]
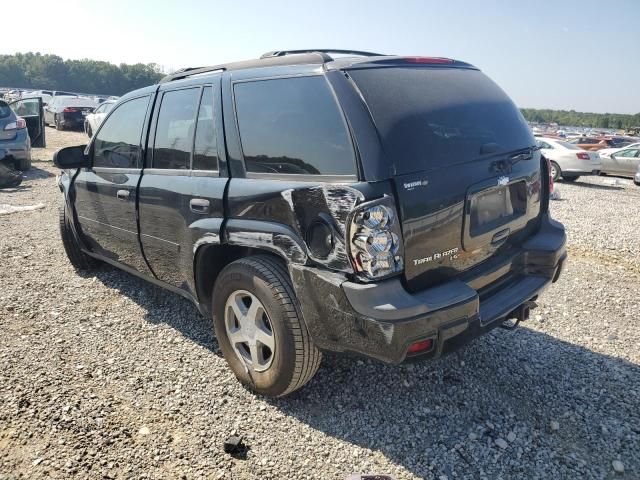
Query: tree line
[
  {"x": 582, "y": 119},
  {"x": 51, "y": 72}
]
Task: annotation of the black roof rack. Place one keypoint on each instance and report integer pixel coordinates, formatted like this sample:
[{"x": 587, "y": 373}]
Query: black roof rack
[
  {"x": 326, "y": 51},
  {"x": 268, "y": 59},
  {"x": 190, "y": 71}
]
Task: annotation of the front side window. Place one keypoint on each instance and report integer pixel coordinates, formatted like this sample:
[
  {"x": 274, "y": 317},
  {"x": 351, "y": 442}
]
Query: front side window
[
  {"x": 117, "y": 144},
  {"x": 627, "y": 153},
  {"x": 175, "y": 128},
  {"x": 293, "y": 126},
  {"x": 205, "y": 151}
]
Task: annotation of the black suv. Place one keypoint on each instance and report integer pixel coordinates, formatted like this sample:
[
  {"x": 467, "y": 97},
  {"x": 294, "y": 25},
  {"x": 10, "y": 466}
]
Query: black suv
[{"x": 393, "y": 207}]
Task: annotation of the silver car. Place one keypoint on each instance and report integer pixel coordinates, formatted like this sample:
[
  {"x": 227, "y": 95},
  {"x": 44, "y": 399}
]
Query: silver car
[
  {"x": 636, "y": 179},
  {"x": 624, "y": 162}
]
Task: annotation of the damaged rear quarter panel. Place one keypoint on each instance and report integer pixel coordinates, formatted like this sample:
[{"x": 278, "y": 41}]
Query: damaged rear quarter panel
[{"x": 275, "y": 215}]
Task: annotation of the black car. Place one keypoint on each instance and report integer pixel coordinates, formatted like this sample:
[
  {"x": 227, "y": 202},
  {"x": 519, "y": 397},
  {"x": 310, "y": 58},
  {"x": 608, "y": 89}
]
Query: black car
[
  {"x": 391, "y": 207},
  {"x": 68, "y": 112}
]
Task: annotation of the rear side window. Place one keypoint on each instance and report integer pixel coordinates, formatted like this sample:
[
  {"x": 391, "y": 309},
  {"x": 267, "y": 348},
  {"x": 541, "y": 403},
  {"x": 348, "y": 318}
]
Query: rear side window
[
  {"x": 434, "y": 117},
  {"x": 205, "y": 151},
  {"x": 293, "y": 126},
  {"x": 117, "y": 143},
  {"x": 5, "y": 110},
  {"x": 175, "y": 128}
]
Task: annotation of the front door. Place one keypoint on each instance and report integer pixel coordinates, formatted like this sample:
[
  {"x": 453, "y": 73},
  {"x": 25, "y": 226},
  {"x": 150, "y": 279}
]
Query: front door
[
  {"x": 181, "y": 192},
  {"x": 32, "y": 110},
  {"x": 629, "y": 161},
  {"x": 105, "y": 194}
]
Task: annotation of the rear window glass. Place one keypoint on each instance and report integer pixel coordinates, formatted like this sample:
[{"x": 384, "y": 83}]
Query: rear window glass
[
  {"x": 569, "y": 145},
  {"x": 293, "y": 126},
  {"x": 5, "y": 110},
  {"x": 78, "y": 102},
  {"x": 433, "y": 117}
]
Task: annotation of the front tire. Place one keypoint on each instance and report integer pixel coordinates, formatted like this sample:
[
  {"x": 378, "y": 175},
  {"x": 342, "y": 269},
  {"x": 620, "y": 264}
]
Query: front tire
[
  {"x": 259, "y": 327},
  {"x": 88, "y": 130},
  {"x": 79, "y": 259},
  {"x": 555, "y": 171}
]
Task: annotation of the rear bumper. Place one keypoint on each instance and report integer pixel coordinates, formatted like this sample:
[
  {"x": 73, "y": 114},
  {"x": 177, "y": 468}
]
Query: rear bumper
[
  {"x": 18, "y": 148},
  {"x": 382, "y": 320}
]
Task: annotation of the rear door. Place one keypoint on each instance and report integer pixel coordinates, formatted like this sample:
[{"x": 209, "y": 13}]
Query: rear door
[
  {"x": 467, "y": 177},
  {"x": 105, "y": 194},
  {"x": 32, "y": 110},
  {"x": 181, "y": 192}
]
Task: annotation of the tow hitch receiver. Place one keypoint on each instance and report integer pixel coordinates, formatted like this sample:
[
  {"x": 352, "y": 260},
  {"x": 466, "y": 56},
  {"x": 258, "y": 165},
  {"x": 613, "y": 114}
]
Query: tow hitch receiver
[{"x": 520, "y": 314}]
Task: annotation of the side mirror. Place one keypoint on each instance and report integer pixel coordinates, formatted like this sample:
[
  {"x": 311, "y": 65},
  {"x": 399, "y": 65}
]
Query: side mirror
[{"x": 71, "y": 157}]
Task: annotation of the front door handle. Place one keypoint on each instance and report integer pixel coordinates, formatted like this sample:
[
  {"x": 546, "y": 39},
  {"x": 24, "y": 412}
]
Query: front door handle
[
  {"x": 199, "y": 205},
  {"x": 123, "y": 194}
]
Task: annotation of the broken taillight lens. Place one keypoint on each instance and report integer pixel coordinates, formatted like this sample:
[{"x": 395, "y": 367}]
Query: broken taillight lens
[
  {"x": 549, "y": 172},
  {"x": 375, "y": 240}
]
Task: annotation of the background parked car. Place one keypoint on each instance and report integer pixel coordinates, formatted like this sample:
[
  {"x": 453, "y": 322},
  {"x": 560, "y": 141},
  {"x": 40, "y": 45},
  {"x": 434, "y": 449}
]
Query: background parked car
[
  {"x": 592, "y": 143},
  {"x": 567, "y": 160},
  {"x": 46, "y": 95},
  {"x": 68, "y": 112},
  {"x": 624, "y": 162},
  {"x": 15, "y": 142},
  {"x": 94, "y": 119}
]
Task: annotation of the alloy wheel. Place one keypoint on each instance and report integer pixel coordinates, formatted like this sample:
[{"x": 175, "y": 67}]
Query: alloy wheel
[{"x": 249, "y": 330}]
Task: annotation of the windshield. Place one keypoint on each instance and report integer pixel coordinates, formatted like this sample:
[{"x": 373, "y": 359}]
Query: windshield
[{"x": 433, "y": 117}]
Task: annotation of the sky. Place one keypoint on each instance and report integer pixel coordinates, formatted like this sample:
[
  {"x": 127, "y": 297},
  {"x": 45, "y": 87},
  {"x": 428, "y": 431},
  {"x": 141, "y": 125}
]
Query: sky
[{"x": 562, "y": 54}]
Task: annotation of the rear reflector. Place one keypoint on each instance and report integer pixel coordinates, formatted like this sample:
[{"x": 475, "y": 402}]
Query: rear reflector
[
  {"x": 421, "y": 346},
  {"x": 582, "y": 156},
  {"x": 428, "y": 60}
]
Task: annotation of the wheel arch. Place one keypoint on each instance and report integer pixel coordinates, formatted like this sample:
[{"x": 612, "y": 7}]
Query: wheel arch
[{"x": 211, "y": 259}]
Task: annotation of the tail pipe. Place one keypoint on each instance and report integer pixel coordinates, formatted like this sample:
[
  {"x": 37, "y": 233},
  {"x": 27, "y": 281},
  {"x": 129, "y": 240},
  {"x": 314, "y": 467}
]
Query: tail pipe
[{"x": 518, "y": 315}]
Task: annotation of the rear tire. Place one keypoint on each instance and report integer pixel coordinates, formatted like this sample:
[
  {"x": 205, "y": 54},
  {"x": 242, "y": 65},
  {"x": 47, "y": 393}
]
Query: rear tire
[
  {"x": 555, "y": 172},
  {"x": 59, "y": 126},
  {"x": 571, "y": 179},
  {"x": 294, "y": 358},
  {"x": 88, "y": 130},
  {"x": 79, "y": 259},
  {"x": 24, "y": 164}
]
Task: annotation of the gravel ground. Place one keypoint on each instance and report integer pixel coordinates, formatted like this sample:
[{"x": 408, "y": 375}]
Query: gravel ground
[{"x": 106, "y": 376}]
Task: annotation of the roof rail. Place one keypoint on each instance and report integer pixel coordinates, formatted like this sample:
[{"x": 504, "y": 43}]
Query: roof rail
[
  {"x": 324, "y": 51},
  {"x": 190, "y": 71}
]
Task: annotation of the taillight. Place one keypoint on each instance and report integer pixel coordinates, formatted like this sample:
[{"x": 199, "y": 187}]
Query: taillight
[
  {"x": 582, "y": 156},
  {"x": 19, "y": 124},
  {"x": 428, "y": 60},
  {"x": 374, "y": 239},
  {"x": 70, "y": 110},
  {"x": 550, "y": 177}
]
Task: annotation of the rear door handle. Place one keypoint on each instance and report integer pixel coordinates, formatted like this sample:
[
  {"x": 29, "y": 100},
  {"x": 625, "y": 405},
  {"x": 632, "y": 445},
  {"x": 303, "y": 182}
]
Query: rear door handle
[
  {"x": 199, "y": 205},
  {"x": 123, "y": 194},
  {"x": 500, "y": 236}
]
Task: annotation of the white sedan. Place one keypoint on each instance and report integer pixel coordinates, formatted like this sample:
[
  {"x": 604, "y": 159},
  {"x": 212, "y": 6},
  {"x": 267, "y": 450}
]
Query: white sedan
[
  {"x": 94, "y": 119},
  {"x": 567, "y": 160}
]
